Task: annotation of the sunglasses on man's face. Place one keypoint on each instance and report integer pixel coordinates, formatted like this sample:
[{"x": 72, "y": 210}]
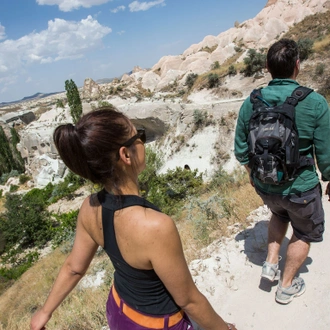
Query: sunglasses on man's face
[{"x": 141, "y": 134}]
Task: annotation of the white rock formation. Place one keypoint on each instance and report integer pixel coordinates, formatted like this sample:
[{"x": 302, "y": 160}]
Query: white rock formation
[
  {"x": 272, "y": 21},
  {"x": 91, "y": 89},
  {"x": 276, "y": 18}
]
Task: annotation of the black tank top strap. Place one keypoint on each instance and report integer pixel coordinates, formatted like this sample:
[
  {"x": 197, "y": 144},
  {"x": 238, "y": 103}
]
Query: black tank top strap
[{"x": 117, "y": 202}]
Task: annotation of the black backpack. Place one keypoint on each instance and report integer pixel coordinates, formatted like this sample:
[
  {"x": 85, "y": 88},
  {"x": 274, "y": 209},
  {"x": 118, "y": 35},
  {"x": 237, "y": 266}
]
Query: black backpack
[{"x": 273, "y": 139}]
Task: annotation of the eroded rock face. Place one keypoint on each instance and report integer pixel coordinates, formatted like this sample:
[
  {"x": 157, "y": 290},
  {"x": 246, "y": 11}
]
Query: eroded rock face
[
  {"x": 38, "y": 150},
  {"x": 272, "y": 21},
  {"x": 91, "y": 89}
]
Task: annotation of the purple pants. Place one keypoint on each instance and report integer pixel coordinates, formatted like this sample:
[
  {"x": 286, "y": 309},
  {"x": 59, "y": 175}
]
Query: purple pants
[{"x": 117, "y": 320}]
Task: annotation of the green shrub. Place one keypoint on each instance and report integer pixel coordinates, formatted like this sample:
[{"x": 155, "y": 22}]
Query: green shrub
[
  {"x": 170, "y": 190},
  {"x": 254, "y": 62},
  {"x": 213, "y": 80},
  {"x": 4, "y": 177},
  {"x": 154, "y": 162},
  {"x": 13, "y": 187},
  {"x": 59, "y": 103},
  {"x": 26, "y": 222},
  {"x": 232, "y": 70},
  {"x": 23, "y": 178},
  {"x": 190, "y": 80},
  {"x": 319, "y": 70},
  {"x": 65, "y": 230},
  {"x": 19, "y": 266},
  {"x": 305, "y": 47},
  {"x": 200, "y": 118},
  {"x": 215, "y": 65},
  {"x": 104, "y": 104},
  {"x": 220, "y": 178}
]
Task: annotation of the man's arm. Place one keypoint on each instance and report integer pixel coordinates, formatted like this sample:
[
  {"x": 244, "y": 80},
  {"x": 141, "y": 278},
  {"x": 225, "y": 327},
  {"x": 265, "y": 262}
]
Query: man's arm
[{"x": 321, "y": 143}]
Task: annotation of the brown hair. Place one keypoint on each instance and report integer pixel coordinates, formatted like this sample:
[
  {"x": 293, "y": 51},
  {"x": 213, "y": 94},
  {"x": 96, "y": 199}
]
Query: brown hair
[
  {"x": 90, "y": 148},
  {"x": 282, "y": 57}
]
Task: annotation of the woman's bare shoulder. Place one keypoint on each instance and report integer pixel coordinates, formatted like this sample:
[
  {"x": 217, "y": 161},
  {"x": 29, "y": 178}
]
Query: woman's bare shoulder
[
  {"x": 89, "y": 207},
  {"x": 158, "y": 221}
]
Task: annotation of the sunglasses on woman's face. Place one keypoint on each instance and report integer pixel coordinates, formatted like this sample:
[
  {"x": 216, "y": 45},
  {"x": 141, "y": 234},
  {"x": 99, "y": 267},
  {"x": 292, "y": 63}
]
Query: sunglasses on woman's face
[{"x": 141, "y": 134}]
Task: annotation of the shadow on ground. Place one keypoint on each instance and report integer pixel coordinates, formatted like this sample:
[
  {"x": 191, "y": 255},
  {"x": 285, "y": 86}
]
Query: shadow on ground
[{"x": 255, "y": 248}]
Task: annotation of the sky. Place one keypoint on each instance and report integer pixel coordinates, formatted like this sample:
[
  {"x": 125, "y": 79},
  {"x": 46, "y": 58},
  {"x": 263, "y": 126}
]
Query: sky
[{"x": 45, "y": 42}]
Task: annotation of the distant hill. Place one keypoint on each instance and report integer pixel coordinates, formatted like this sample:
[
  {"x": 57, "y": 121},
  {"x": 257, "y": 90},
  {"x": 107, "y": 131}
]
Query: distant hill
[
  {"x": 29, "y": 98},
  {"x": 104, "y": 80}
]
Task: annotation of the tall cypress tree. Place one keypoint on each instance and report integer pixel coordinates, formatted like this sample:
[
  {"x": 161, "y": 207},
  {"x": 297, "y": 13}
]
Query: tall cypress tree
[
  {"x": 18, "y": 160},
  {"x": 6, "y": 157},
  {"x": 74, "y": 100}
]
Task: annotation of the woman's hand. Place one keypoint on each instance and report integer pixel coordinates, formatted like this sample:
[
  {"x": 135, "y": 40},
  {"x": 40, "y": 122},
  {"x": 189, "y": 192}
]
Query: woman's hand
[
  {"x": 39, "y": 320},
  {"x": 231, "y": 326}
]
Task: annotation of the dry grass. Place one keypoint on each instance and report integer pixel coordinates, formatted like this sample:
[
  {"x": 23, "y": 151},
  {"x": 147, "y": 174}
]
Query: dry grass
[{"x": 83, "y": 308}]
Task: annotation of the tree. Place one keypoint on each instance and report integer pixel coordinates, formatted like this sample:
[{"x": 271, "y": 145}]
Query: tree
[
  {"x": 6, "y": 156},
  {"x": 18, "y": 160},
  {"x": 74, "y": 100}
]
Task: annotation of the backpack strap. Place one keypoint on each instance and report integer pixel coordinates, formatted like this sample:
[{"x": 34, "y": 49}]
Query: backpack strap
[
  {"x": 298, "y": 95},
  {"x": 257, "y": 100}
]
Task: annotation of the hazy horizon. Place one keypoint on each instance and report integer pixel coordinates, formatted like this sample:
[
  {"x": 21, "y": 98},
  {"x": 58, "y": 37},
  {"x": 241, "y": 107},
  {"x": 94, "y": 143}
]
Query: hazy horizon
[{"x": 45, "y": 42}]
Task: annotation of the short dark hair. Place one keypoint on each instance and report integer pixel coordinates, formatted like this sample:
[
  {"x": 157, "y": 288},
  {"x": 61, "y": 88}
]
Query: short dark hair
[
  {"x": 90, "y": 148},
  {"x": 282, "y": 57}
]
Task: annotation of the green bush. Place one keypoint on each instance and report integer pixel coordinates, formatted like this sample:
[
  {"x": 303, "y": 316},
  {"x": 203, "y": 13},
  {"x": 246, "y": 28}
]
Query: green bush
[
  {"x": 20, "y": 266},
  {"x": 232, "y": 70},
  {"x": 215, "y": 65},
  {"x": 190, "y": 80},
  {"x": 154, "y": 162},
  {"x": 200, "y": 118},
  {"x": 13, "y": 187},
  {"x": 319, "y": 70},
  {"x": 65, "y": 230},
  {"x": 23, "y": 178},
  {"x": 254, "y": 62},
  {"x": 66, "y": 188},
  {"x": 59, "y": 103},
  {"x": 26, "y": 222},
  {"x": 104, "y": 104},
  {"x": 170, "y": 190},
  {"x": 305, "y": 47},
  {"x": 220, "y": 178},
  {"x": 213, "y": 80}
]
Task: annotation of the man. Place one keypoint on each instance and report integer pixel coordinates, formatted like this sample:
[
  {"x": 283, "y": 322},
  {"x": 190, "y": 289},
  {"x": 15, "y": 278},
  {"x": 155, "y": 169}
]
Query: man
[{"x": 299, "y": 201}]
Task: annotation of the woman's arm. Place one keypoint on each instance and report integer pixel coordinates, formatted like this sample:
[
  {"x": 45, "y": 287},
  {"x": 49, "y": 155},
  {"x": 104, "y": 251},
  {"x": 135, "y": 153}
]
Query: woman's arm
[
  {"x": 167, "y": 258},
  {"x": 73, "y": 269}
]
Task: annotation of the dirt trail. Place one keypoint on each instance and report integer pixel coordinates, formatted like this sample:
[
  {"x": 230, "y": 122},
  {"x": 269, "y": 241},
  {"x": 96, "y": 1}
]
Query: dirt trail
[{"x": 230, "y": 278}]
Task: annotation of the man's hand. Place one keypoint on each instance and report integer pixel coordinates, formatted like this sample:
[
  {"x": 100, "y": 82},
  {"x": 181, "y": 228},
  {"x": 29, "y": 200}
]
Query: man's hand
[
  {"x": 327, "y": 191},
  {"x": 249, "y": 173}
]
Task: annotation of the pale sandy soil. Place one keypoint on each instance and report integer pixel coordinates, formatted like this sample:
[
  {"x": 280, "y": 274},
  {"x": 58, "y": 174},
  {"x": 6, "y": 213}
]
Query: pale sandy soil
[{"x": 229, "y": 276}]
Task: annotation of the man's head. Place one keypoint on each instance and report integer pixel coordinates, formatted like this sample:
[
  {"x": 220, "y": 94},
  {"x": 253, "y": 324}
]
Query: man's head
[{"x": 283, "y": 59}]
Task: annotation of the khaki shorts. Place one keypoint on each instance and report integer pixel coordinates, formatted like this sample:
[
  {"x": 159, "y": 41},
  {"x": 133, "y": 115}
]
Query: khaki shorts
[{"x": 304, "y": 211}]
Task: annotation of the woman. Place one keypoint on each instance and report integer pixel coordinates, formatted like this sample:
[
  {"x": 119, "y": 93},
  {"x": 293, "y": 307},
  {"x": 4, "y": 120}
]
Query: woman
[{"x": 153, "y": 288}]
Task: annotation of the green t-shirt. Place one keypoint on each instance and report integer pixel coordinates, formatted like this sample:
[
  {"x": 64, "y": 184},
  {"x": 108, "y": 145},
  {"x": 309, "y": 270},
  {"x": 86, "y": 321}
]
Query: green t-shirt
[{"x": 313, "y": 123}]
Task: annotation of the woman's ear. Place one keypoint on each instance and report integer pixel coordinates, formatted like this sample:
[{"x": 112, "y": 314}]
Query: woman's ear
[{"x": 124, "y": 155}]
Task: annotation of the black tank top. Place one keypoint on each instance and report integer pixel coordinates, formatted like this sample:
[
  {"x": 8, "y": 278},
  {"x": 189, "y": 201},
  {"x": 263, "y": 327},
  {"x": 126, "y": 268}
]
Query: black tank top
[{"x": 141, "y": 289}]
